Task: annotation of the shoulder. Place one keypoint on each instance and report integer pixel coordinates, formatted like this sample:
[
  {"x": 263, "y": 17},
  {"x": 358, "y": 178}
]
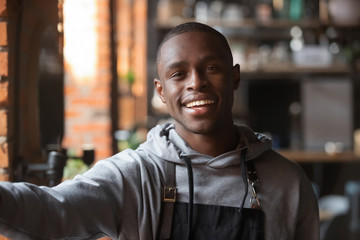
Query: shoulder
[
  {"x": 128, "y": 163},
  {"x": 286, "y": 178},
  {"x": 287, "y": 196},
  {"x": 272, "y": 165},
  {"x": 275, "y": 160}
]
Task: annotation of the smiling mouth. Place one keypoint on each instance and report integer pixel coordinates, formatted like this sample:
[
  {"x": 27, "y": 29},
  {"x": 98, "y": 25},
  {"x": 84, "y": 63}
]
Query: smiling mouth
[{"x": 199, "y": 103}]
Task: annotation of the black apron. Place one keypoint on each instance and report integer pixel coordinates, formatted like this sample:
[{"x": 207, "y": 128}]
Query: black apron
[{"x": 218, "y": 222}]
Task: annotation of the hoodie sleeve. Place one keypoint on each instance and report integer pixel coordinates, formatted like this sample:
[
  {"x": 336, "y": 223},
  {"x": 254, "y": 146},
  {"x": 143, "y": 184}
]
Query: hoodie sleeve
[
  {"x": 83, "y": 208},
  {"x": 87, "y": 207}
]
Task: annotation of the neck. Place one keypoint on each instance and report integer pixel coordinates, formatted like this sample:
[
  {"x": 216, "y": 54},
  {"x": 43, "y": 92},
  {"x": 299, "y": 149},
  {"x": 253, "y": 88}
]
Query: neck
[{"x": 213, "y": 144}]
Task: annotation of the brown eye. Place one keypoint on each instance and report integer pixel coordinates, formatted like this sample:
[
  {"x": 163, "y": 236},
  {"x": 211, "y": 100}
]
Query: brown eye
[
  {"x": 177, "y": 75},
  {"x": 212, "y": 68}
]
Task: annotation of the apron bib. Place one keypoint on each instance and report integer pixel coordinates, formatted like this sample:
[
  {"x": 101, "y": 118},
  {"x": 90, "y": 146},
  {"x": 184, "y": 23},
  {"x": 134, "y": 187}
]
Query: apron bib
[{"x": 218, "y": 222}]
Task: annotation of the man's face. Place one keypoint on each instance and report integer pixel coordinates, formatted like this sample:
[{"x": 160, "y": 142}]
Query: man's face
[{"x": 197, "y": 82}]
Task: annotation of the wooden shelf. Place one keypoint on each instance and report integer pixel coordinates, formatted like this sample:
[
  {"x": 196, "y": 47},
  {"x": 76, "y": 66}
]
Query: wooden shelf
[
  {"x": 319, "y": 156},
  {"x": 311, "y": 23},
  {"x": 291, "y": 69},
  {"x": 245, "y": 23}
]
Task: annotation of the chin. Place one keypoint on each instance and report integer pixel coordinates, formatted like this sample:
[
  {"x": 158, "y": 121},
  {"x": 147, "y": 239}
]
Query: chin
[{"x": 201, "y": 128}]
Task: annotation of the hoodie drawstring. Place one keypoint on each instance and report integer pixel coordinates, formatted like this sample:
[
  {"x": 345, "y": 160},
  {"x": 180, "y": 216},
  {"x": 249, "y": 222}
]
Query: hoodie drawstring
[
  {"x": 244, "y": 176},
  {"x": 191, "y": 194}
]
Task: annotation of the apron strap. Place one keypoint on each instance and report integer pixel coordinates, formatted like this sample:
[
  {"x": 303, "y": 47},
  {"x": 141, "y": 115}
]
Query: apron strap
[
  {"x": 169, "y": 195},
  {"x": 169, "y": 198}
]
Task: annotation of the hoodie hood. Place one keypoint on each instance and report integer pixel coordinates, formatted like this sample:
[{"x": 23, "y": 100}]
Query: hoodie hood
[{"x": 164, "y": 142}]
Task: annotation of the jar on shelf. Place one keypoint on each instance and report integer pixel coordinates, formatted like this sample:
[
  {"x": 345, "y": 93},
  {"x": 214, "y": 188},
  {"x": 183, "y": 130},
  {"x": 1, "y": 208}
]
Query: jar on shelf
[{"x": 345, "y": 12}]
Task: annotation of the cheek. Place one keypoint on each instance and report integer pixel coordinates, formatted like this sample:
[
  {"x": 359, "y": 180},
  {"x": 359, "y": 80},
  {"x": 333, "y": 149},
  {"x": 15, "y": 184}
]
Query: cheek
[
  {"x": 171, "y": 95},
  {"x": 223, "y": 86},
  {"x": 226, "y": 91}
]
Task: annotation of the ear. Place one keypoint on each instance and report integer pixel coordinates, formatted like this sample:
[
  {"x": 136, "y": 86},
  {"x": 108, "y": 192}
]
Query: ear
[
  {"x": 236, "y": 76},
  {"x": 159, "y": 89}
]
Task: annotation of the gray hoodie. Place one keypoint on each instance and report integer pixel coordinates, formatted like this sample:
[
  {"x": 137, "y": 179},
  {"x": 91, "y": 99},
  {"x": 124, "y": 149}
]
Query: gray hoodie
[{"x": 121, "y": 196}]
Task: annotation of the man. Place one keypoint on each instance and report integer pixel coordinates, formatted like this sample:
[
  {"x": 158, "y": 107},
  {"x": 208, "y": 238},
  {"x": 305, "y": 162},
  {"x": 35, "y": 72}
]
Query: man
[{"x": 189, "y": 179}]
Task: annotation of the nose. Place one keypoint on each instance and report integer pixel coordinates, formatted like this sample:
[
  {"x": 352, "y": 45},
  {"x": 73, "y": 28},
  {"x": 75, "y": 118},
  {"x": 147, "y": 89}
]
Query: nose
[{"x": 197, "y": 81}]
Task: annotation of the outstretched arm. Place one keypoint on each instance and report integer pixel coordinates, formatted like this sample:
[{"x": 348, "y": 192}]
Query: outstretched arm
[{"x": 82, "y": 207}]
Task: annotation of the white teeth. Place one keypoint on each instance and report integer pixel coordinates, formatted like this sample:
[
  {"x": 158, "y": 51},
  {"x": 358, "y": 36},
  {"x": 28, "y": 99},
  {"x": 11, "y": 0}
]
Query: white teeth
[{"x": 199, "y": 103}]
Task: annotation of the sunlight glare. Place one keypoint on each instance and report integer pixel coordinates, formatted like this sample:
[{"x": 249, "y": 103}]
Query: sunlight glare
[{"x": 80, "y": 39}]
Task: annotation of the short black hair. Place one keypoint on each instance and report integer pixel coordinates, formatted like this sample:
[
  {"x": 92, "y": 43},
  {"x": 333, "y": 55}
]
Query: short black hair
[{"x": 194, "y": 27}]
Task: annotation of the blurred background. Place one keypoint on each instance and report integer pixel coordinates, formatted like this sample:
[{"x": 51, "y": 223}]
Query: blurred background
[{"x": 76, "y": 77}]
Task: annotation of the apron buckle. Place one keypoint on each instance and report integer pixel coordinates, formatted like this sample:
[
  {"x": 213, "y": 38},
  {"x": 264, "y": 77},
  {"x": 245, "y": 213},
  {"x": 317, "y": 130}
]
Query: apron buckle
[{"x": 170, "y": 194}]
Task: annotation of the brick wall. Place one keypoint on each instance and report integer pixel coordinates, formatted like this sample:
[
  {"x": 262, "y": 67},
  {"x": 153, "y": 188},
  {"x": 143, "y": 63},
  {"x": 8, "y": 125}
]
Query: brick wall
[
  {"x": 22, "y": 27},
  {"x": 132, "y": 56},
  {"x": 87, "y": 92},
  {"x": 4, "y": 92},
  {"x": 88, "y": 98}
]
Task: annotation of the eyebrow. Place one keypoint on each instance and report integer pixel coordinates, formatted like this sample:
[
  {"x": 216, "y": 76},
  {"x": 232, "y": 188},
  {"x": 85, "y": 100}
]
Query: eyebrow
[
  {"x": 184, "y": 63},
  {"x": 211, "y": 58},
  {"x": 176, "y": 65}
]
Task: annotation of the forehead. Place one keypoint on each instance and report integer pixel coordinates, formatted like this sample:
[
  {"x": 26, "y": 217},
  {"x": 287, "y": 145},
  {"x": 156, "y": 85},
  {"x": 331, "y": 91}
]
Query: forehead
[{"x": 191, "y": 44}]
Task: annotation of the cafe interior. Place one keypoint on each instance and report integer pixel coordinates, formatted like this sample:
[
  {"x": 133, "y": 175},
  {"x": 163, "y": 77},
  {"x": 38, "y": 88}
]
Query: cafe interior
[{"x": 76, "y": 77}]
